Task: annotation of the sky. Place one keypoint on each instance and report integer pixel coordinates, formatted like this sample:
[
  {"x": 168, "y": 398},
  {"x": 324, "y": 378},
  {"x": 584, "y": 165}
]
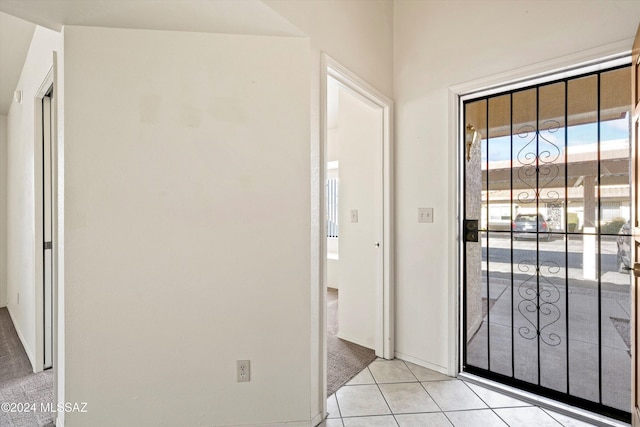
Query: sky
[{"x": 611, "y": 130}]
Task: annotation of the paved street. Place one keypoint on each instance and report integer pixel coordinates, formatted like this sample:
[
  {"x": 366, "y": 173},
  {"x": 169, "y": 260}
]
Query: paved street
[{"x": 553, "y": 253}]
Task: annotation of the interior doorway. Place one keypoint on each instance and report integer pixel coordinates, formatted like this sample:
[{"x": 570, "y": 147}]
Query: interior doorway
[
  {"x": 356, "y": 254},
  {"x": 45, "y": 222},
  {"x": 47, "y": 216},
  {"x": 546, "y": 210},
  {"x": 354, "y": 212}
]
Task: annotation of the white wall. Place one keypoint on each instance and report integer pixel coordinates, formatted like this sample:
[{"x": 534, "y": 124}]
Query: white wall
[
  {"x": 438, "y": 44},
  {"x": 359, "y": 35},
  {"x": 356, "y": 33},
  {"x": 186, "y": 157},
  {"x": 22, "y": 268},
  {"x": 3, "y": 210}
]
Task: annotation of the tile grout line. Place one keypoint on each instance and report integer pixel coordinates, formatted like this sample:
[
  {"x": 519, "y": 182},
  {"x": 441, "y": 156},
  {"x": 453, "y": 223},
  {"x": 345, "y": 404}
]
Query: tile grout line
[
  {"x": 511, "y": 407},
  {"x": 431, "y": 397},
  {"x": 385, "y": 398},
  {"x": 351, "y": 385},
  {"x": 552, "y": 417},
  {"x": 488, "y": 406},
  {"x": 403, "y": 382},
  {"x": 375, "y": 382},
  {"x": 418, "y": 381},
  {"x": 440, "y": 409},
  {"x": 335, "y": 395}
]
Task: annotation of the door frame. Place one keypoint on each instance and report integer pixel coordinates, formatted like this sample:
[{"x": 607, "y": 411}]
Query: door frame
[
  {"x": 567, "y": 65},
  {"x": 46, "y": 86},
  {"x": 385, "y": 344},
  {"x": 584, "y": 62},
  {"x": 635, "y": 226}
]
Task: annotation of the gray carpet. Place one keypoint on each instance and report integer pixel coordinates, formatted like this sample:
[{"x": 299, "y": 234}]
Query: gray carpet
[
  {"x": 18, "y": 383},
  {"x": 13, "y": 360},
  {"x": 344, "y": 359}
]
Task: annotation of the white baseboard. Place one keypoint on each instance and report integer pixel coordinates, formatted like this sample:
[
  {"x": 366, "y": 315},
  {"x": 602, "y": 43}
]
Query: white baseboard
[
  {"x": 315, "y": 421},
  {"x": 423, "y": 363},
  {"x": 281, "y": 424}
]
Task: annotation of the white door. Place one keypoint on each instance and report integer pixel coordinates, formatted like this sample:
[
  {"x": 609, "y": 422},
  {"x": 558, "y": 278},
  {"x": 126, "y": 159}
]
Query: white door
[{"x": 356, "y": 140}]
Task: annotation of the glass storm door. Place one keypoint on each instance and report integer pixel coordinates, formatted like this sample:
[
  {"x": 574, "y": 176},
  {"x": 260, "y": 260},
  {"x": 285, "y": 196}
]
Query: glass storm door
[{"x": 546, "y": 285}]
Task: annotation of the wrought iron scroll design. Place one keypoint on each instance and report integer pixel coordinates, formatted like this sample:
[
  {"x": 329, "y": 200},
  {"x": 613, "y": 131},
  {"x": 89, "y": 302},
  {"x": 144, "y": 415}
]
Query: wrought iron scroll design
[
  {"x": 537, "y": 157},
  {"x": 542, "y": 299},
  {"x": 537, "y": 172}
]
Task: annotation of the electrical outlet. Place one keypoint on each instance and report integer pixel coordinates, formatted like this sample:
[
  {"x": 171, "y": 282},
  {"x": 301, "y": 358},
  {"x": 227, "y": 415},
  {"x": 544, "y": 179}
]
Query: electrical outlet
[
  {"x": 425, "y": 214},
  {"x": 18, "y": 299},
  {"x": 244, "y": 371},
  {"x": 354, "y": 215}
]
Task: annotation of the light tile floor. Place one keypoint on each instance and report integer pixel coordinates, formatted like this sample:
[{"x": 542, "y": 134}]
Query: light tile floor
[{"x": 395, "y": 393}]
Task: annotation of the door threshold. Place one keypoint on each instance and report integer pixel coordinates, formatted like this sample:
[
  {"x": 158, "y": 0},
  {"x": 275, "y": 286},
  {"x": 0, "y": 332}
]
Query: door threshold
[{"x": 544, "y": 402}]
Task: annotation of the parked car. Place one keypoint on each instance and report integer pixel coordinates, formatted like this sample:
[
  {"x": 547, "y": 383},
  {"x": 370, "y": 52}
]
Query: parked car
[
  {"x": 624, "y": 248},
  {"x": 524, "y": 226}
]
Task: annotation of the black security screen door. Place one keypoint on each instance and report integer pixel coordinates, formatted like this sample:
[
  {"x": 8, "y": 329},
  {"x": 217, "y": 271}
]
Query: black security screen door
[{"x": 546, "y": 290}]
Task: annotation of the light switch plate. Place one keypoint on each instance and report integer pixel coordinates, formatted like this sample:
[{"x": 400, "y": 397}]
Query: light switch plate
[
  {"x": 354, "y": 215},
  {"x": 425, "y": 214}
]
